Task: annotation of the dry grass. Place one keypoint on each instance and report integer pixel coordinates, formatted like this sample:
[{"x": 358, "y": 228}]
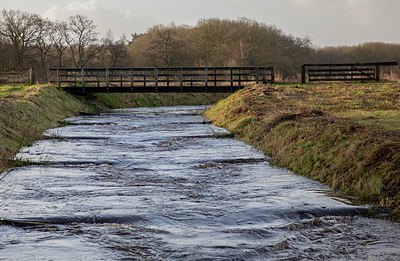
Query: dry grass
[{"x": 344, "y": 135}]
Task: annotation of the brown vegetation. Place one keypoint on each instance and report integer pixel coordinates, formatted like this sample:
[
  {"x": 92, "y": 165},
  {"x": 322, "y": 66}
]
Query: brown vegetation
[{"x": 344, "y": 135}]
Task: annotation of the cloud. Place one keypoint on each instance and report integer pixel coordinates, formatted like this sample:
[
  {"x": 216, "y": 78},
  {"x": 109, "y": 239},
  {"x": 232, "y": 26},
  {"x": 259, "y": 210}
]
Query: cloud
[
  {"x": 364, "y": 12},
  {"x": 90, "y": 5},
  {"x": 61, "y": 12}
]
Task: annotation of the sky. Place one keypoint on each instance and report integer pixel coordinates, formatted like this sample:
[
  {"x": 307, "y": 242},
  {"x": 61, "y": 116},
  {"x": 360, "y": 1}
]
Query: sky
[{"x": 326, "y": 22}]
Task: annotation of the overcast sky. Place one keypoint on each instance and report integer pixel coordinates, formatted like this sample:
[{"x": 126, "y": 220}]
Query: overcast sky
[{"x": 327, "y": 22}]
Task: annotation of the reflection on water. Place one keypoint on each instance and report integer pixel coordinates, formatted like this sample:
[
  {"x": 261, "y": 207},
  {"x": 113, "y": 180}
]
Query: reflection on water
[{"x": 156, "y": 183}]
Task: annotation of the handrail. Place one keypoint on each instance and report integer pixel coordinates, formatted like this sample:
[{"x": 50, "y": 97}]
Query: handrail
[{"x": 148, "y": 79}]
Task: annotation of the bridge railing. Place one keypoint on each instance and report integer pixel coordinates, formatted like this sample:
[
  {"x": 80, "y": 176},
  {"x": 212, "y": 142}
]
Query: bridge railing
[
  {"x": 163, "y": 79},
  {"x": 343, "y": 71}
]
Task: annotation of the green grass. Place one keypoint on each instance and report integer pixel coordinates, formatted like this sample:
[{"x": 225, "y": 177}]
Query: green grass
[{"x": 17, "y": 91}]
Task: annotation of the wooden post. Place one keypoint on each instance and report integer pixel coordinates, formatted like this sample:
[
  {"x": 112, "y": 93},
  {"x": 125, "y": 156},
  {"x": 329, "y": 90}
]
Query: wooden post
[
  {"x": 257, "y": 73},
  {"x": 181, "y": 79},
  {"x": 156, "y": 78},
  {"x": 168, "y": 71},
  {"x": 303, "y": 74},
  {"x": 191, "y": 77},
  {"x": 83, "y": 77},
  {"x": 107, "y": 78},
  {"x": 377, "y": 73},
  {"x": 121, "y": 77},
  {"x": 144, "y": 78},
  {"x": 76, "y": 75},
  {"x": 31, "y": 78},
  {"x": 240, "y": 82},
  {"x": 131, "y": 74},
  {"x": 58, "y": 78},
  {"x": 98, "y": 78},
  {"x": 206, "y": 78},
  {"x": 272, "y": 75},
  {"x": 231, "y": 71},
  {"x": 215, "y": 77}
]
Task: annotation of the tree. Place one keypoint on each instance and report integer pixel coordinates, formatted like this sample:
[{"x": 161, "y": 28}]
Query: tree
[
  {"x": 58, "y": 36},
  {"x": 215, "y": 39},
  {"x": 135, "y": 36},
  {"x": 81, "y": 38},
  {"x": 164, "y": 45},
  {"x": 20, "y": 28},
  {"x": 114, "y": 52},
  {"x": 6, "y": 55},
  {"x": 43, "y": 42}
]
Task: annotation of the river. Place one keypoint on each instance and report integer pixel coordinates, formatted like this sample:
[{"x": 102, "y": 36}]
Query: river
[{"x": 163, "y": 184}]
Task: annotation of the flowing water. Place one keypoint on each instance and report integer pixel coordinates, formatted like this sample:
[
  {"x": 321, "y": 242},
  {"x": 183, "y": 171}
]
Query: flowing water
[{"x": 159, "y": 184}]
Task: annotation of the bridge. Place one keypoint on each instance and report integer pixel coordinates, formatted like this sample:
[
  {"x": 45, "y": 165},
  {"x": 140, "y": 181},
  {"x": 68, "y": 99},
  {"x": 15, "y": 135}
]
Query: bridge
[
  {"x": 343, "y": 71},
  {"x": 157, "y": 80}
]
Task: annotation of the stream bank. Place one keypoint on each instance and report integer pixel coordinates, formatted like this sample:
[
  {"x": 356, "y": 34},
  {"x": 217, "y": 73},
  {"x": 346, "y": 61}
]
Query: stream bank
[
  {"x": 27, "y": 111},
  {"x": 342, "y": 135}
]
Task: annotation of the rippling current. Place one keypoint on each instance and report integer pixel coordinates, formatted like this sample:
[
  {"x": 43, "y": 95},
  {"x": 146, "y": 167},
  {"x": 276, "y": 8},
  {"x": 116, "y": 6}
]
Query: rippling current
[{"x": 161, "y": 184}]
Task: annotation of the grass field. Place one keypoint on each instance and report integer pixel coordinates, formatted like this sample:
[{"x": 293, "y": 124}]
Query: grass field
[{"x": 344, "y": 135}]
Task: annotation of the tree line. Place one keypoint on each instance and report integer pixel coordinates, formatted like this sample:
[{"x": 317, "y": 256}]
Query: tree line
[{"x": 28, "y": 40}]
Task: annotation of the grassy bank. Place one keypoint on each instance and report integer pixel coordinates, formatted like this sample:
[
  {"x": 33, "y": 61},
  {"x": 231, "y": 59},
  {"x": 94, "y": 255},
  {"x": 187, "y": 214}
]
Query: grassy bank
[
  {"x": 343, "y": 135},
  {"x": 113, "y": 100},
  {"x": 26, "y": 111}
]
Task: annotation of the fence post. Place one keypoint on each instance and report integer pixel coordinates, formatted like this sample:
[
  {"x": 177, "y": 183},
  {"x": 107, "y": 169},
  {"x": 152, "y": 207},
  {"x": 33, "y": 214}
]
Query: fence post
[
  {"x": 257, "y": 74},
  {"x": 377, "y": 73},
  {"x": 107, "y": 78},
  {"x": 240, "y": 80},
  {"x": 121, "y": 77},
  {"x": 272, "y": 75},
  {"x": 83, "y": 77},
  {"x": 215, "y": 77},
  {"x": 303, "y": 73},
  {"x": 156, "y": 78},
  {"x": 76, "y": 76},
  {"x": 206, "y": 79},
  {"x": 58, "y": 78},
  {"x": 131, "y": 74},
  {"x": 231, "y": 71},
  {"x": 98, "y": 78},
  {"x": 181, "y": 80},
  {"x": 144, "y": 77},
  {"x": 191, "y": 77}
]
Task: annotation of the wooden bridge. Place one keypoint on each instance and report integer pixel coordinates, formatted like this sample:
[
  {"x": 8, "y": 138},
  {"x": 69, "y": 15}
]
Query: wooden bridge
[
  {"x": 182, "y": 79},
  {"x": 343, "y": 71}
]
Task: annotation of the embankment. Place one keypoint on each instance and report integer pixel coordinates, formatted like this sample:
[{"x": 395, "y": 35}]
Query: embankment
[
  {"x": 346, "y": 136},
  {"x": 26, "y": 111}
]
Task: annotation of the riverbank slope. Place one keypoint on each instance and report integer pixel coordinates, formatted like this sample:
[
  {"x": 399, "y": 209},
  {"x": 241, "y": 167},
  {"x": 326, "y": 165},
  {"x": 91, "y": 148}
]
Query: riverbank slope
[
  {"x": 26, "y": 111},
  {"x": 344, "y": 135}
]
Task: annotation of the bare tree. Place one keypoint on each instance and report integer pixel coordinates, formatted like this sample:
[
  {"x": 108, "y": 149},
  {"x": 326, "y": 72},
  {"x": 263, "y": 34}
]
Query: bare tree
[
  {"x": 43, "y": 43},
  {"x": 114, "y": 53},
  {"x": 60, "y": 30},
  {"x": 20, "y": 28},
  {"x": 82, "y": 38},
  {"x": 5, "y": 53}
]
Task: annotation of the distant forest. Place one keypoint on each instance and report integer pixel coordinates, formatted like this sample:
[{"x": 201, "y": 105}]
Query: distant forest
[{"x": 30, "y": 41}]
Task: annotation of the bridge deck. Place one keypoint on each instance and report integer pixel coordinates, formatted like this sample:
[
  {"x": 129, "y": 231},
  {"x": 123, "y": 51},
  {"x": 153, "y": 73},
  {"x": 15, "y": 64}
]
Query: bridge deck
[{"x": 184, "y": 79}]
